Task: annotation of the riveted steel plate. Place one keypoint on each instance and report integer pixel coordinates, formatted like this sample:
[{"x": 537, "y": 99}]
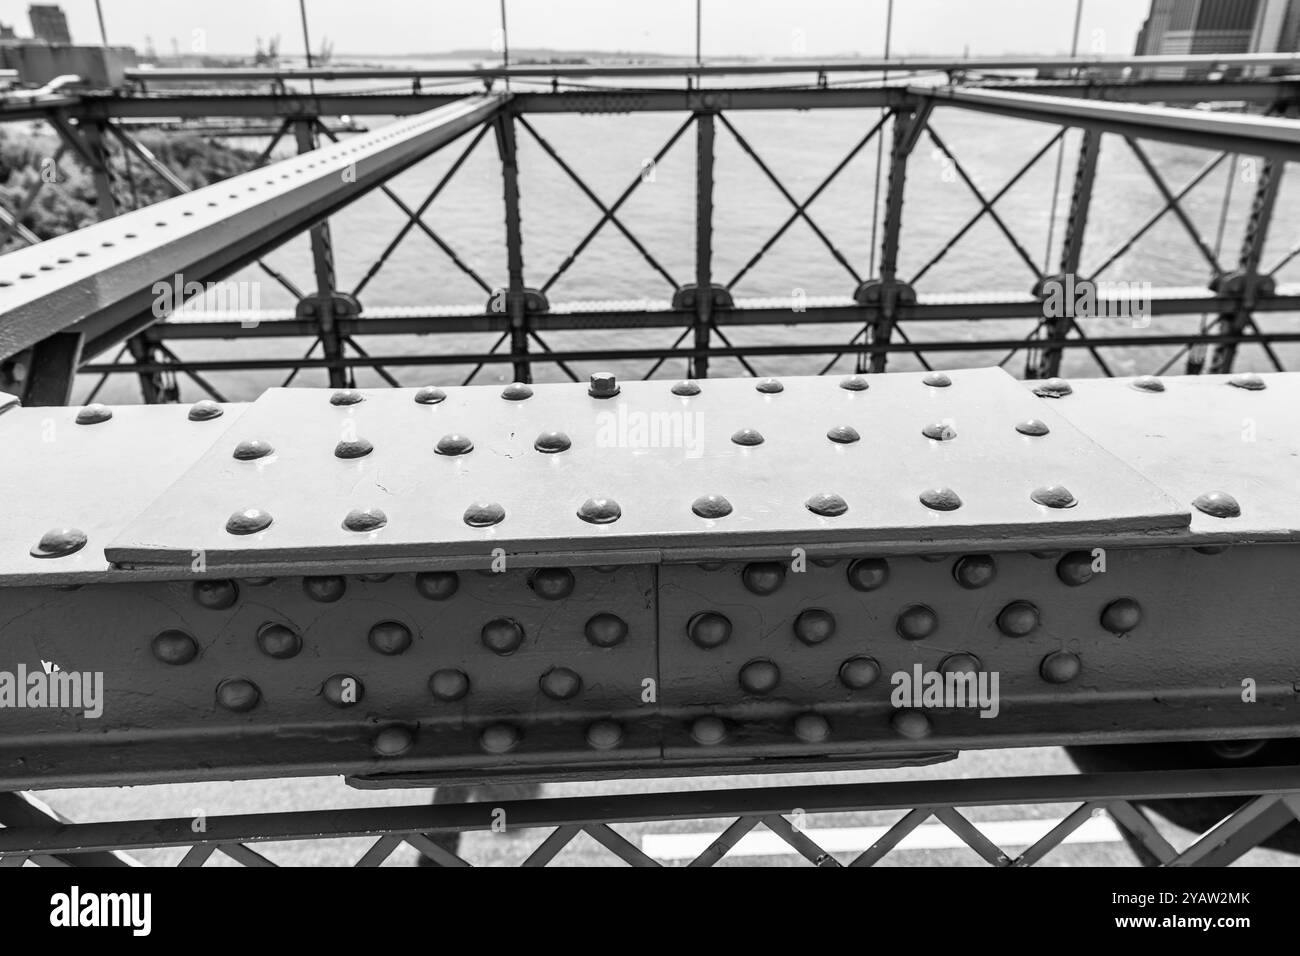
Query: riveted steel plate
[
  {"x": 655, "y": 453},
  {"x": 1196, "y": 435},
  {"x": 92, "y": 477}
]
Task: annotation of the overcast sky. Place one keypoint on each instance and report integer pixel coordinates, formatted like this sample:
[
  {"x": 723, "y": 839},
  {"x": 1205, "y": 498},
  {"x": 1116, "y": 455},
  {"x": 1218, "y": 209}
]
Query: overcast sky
[{"x": 731, "y": 27}]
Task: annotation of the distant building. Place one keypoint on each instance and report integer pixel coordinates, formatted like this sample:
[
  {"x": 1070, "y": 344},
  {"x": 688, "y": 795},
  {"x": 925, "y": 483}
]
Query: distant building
[
  {"x": 49, "y": 23},
  {"x": 1196, "y": 27}
]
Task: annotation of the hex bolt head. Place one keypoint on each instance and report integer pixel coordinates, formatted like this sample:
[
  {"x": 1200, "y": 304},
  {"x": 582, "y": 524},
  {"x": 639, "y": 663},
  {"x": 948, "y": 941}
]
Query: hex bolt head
[{"x": 603, "y": 385}]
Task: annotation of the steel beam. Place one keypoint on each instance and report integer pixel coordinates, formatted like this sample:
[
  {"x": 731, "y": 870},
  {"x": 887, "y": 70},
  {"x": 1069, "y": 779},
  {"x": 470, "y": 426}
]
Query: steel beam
[
  {"x": 703, "y": 319},
  {"x": 516, "y": 305}
]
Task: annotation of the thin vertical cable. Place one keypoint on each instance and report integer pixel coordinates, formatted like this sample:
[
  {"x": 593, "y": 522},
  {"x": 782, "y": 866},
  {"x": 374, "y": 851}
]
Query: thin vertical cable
[
  {"x": 1060, "y": 154},
  {"x": 880, "y": 144}
]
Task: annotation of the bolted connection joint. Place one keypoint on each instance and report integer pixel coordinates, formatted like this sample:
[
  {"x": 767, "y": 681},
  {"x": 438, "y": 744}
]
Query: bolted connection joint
[
  {"x": 872, "y": 292},
  {"x": 685, "y": 298}
]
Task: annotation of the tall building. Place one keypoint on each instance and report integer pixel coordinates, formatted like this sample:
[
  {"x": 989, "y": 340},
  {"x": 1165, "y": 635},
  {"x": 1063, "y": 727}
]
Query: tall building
[
  {"x": 49, "y": 23},
  {"x": 1182, "y": 27}
]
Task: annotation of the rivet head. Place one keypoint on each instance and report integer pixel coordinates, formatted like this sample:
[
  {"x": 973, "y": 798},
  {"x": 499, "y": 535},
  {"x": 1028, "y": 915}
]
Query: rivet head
[
  {"x": 709, "y": 629},
  {"x": 711, "y": 507},
  {"x": 1148, "y": 383},
  {"x": 812, "y": 728},
  {"x": 1018, "y": 619},
  {"x": 686, "y": 387},
  {"x": 708, "y": 731},
  {"x": 205, "y": 410},
  {"x": 770, "y": 386},
  {"x": 763, "y": 577},
  {"x": 561, "y": 683},
  {"x": 939, "y": 431},
  {"x": 827, "y": 505},
  {"x": 747, "y": 437},
  {"x": 1217, "y": 504},
  {"x": 364, "y": 519},
  {"x": 1122, "y": 616},
  {"x": 59, "y": 543},
  {"x": 238, "y": 694},
  {"x": 437, "y": 585},
  {"x": 484, "y": 514},
  {"x": 940, "y": 499},
  {"x": 347, "y": 396},
  {"x": 855, "y": 383},
  {"x": 911, "y": 724},
  {"x": 960, "y": 663},
  {"x": 356, "y": 448},
  {"x": 248, "y": 521},
  {"x": 843, "y": 435},
  {"x": 500, "y": 738},
  {"x": 814, "y": 625},
  {"x": 603, "y": 385},
  {"x": 516, "y": 392},
  {"x": 258, "y": 582},
  {"x": 175, "y": 647},
  {"x": 605, "y": 734},
  {"x": 606, "y": 630},
  {"x": 916, "y": 622},
  {"x": 859, "y": 673},
  {"x": 449, "y": 684},
  {"x": 600, "y": 511},
  {"x": 392, "y": 741},
  {"x": 215, "y": 595},
  {"x": 390, "y": 637},
  {"x": 94, "y": 414},
  {"x": 759, "y": 676},
  {"x": 975, "y": 571},
  {"x": 278, "y": 641},
  {"x": 1249, "y": 381},
  {"x": 867, "y": 574},
  {"x": 252, "y": 449},
  {"x": 1053, "y": 388},
  {"x": 342, "y": 690},
  {"x": 1054, "y": 496},
  {"x": 429, "y": 395},
  {"x": 452, "y": 445},
  {"x": 937, "y": 380},
  {"x": 502, "y": 636},
  {"x": 325, "y": 589},
  {"x": 1075, "y": 568},
  {"x": 551, "y": 584},
  {"x": 1060, "y": 667},
  {"x": 552, "y": 443},
  {"x": 1033, "y": 428}
]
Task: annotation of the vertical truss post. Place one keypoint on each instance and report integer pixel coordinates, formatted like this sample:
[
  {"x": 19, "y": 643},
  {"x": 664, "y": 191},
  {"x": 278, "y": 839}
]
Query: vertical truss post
[
  {"x": 704, "y": 133},
  {"x": 322, "y": 257},
  {"x": 516, "y": 295},
  {"x": 1047, "y": 363}
]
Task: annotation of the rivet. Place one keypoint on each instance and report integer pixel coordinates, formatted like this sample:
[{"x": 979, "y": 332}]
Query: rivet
[
  {"x": 770, "y": 386},
  {"x": 1033, "y": 428},
  {"x": 940, "y": 499},
  {"x": 484, "y": 514},
  {"x": 392, "y": 741},
  {"x": 1054, "y": 496},
  {"x": 827, "y": 505},
  {"x": 205, "y": 410},
  {"x": 378, "y": 578},
  {"x": 552, "y": 443},
  {"x": 708, "y": 629},
  {"x": 94, "y": 414},
  {"x": 258, "y": 582},
  {"x": 248, "y": 521},
  {"x": 606, "y": 630},
  {"x": 390, "y": 637},
  {"x": 356, "y": 448},
  {"x": 600, "y": 511},
  {"x": 175, "y": 647},
  {"x": 1249, "y": 381},
  {"x": 1210, "y": 549},
  {"x": 1053, "y": 388},
  {"x": 1148, "y": 383},
  {"x": 551, "y": 584},
  {"x": 763, "y": 577},
  {"x": 975, "y": 571},
  {"x": 825, "y": 562},
  {"x": 939, "y": 431},
  {"x": 347, "y": 396},
  {"x": 855, "y": 383},
  {"x": 516, "y": 392},
  {"x": 916, "y": 622},
  {"x": 759, "y": 676},
  {"x": 437, "y": 585},
  {"x": 1075, "y": 568},
  {"x": 238, "y": 694},
  {"x": 747, "y": 436},
  {"x": 708, "y": 731},
  {"x": 933, "y": 558},
  {"x": 1060, "y": 667},
  {"x": 859, "y": 673},
  {"x": 937, "y": 380},
  {"x": 278, "y": 641},
  {"x": 814, "y": 625},
  {"x": 1121, "y": 616},
  {"x": 453, "y": 445},
  {"x": 867, "y": 574},
  {"x": 502, "y": 636},
  {"x": 215, "y": 595},
  {"x": 911, "y": 724},
  {"x": 500, "y": 738},
  {"x": 603, "y": 385},
  {"x": 1218, "y": 504},
  {"x": 812, "y": 728},
  {"x": 449, "y": 684},
  {"x": 560, "y": 683},
  {"x": 843, "y": 434},
  {"x": 605, "y": 734},
  {"x": 711, "y": 507},
  {"x": 686, "y": 388},
  {"x": 342, "y": 690},
  {"x": 429, "y": 395},
  {"x": 364, "y": 519},
  {"x": 59, "y": 543},
  {"x": 1018, "y": 619},
  {"x": 325, "y": 589},
  {"x": 252, "y": 449},
  {"x": 960, "y": 663}
]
